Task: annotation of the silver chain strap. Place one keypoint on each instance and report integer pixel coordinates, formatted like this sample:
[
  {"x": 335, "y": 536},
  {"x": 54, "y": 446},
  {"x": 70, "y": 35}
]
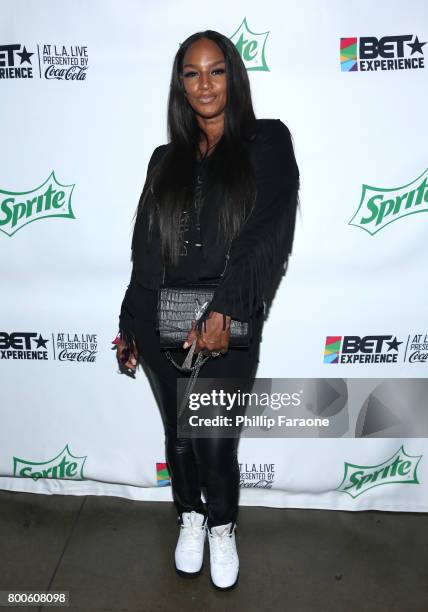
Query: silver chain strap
[{"x": 187, "y": 366}]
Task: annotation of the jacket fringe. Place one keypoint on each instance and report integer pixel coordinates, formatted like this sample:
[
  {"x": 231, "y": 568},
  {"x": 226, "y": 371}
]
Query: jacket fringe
[
  {"x": 260, "y": 261},
  {"x": 126, "y": 326},
  {"x": 128, "y": 337},
  {"x": 259, "y": 253}
]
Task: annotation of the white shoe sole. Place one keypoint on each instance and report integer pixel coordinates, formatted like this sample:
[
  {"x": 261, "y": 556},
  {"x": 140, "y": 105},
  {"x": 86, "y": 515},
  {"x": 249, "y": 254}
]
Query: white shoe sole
[
  {"x": 229, "y": 588},
  {"x": 184, "y": 574}
]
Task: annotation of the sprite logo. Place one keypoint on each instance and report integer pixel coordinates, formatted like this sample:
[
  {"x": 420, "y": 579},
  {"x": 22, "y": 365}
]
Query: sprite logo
[
  {"x": 379, "y": 207},
  {"x": 400, "y": 468},
  {"x": 18, "y": 208},
  {"x": 65, "y": 465},
  {"x": 251, "y": 47}
]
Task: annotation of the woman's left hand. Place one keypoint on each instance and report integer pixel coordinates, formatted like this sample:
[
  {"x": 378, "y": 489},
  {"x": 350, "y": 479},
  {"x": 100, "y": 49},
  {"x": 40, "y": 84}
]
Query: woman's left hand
[{"x": 212, "y": 337}]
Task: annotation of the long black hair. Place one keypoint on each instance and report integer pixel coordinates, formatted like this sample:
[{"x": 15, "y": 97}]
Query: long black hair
[{"x": 230, "y": 176}]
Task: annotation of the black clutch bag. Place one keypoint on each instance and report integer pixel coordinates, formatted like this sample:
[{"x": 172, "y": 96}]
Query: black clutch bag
[{"x": 178, "y": 306}]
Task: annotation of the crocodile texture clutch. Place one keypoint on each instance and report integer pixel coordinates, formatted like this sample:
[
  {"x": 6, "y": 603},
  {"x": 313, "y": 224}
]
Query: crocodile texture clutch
[{"x": 179, "y": 306}]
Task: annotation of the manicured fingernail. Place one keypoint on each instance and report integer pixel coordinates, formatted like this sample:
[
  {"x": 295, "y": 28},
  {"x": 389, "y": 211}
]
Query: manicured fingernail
[{"x": 186, "y": 344}]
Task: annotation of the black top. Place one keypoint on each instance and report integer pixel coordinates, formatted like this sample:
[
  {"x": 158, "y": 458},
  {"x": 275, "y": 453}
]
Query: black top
[{"x": 195, "y": 264}]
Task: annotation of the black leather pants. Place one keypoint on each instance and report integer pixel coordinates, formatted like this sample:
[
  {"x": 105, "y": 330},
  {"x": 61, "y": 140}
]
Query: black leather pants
[{"x": 196, "y": 464}]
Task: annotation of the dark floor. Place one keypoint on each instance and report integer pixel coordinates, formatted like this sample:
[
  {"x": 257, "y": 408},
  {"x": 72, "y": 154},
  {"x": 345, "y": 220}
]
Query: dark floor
[{"x": 115, "y": 554}]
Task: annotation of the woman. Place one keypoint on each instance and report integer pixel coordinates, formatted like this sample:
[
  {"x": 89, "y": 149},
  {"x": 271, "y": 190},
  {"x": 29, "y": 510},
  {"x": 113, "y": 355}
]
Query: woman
[{"x": 225, "y": 180}]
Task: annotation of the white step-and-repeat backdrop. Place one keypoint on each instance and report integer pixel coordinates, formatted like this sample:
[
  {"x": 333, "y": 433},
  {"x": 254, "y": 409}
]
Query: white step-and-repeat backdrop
[{"x": 83, "y": 94}]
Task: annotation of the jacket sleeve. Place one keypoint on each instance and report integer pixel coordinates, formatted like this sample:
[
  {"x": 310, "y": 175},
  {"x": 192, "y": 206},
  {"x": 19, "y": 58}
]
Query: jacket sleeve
[
  {"x": 260, "y": 251},
  {"x": 129, "y": 303}
]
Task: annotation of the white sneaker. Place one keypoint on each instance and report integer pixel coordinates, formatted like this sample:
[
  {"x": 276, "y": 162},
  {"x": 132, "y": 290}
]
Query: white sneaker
[
  {"x": 223, "y": 556},
  {"x": 189, "y": 552}
]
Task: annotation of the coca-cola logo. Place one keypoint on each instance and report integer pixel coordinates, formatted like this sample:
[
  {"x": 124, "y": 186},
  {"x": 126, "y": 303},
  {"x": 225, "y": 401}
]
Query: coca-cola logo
[
  {"x": 259, "y": 484},
  {"x": 83, "y": 355},
  {"x": 73, "y": 73},
  {"x": 418, "y": 357}
]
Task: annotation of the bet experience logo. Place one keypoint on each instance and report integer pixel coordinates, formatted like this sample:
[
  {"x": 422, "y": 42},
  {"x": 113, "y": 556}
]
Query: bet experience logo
[
  {"x": 380, "y": 206},
  {"x": 59, "y": 62},
  {"x": 17, "y": 345},
  {"x": 63, "y": 466},
  {"x": 376, "y": 349},
  {"x": 354, "y": 349},
  {"x": 368, "y": 53},
  {"x": 18, "y": 208},
  {"x": 251, "y": 47},
  {"x": 399, "y": 469}
]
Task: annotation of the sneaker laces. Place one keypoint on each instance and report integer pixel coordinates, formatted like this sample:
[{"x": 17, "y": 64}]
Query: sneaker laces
[
  {"x": 191, "y": 534},
  {"x": 222, "y": 550}
]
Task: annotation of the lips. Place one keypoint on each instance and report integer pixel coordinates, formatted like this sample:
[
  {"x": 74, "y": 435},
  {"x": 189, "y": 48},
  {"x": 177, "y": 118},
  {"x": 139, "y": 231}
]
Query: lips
[{"x": 206, "y": 99}]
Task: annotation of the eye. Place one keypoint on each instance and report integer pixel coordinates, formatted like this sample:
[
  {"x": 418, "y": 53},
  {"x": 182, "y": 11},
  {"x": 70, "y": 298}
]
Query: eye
[
  {"x": 219, "y": 71},
  {"x": 189, "y": 73}
]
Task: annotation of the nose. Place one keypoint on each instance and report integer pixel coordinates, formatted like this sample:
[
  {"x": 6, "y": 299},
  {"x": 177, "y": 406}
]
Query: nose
[{"x": 205, "y": 81}]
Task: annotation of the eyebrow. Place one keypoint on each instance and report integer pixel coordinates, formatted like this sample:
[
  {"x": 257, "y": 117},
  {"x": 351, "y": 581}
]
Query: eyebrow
[{"x": 222, "y": 61}]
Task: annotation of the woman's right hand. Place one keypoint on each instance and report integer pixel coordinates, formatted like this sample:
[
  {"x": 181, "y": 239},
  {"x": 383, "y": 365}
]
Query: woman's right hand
[{"x": 123, "y": 352}]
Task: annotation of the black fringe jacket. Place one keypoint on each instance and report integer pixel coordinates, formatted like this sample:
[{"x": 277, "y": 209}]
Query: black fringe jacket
[{"x": 258, "y": 255}]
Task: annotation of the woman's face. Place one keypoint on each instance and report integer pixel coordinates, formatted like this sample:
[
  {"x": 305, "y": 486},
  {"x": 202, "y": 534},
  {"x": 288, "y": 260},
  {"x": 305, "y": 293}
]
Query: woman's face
[{"x": 204, "y": 78}]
